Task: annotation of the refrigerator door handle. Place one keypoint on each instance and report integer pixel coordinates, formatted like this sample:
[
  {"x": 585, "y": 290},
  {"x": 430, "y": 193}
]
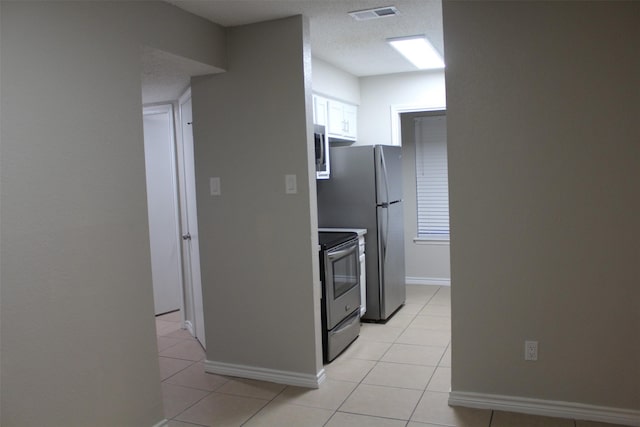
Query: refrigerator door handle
[
  {"x": 383, "y": 164},
  {"x": 383, "y": 233},
  {"x": 382, "y": 255},
  {"x": 385, "y": 237}
]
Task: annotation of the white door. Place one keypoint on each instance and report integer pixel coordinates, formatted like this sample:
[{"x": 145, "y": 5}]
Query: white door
[
  {"x": 191, "y": 253},
  {"x": 162, "y": 203}
]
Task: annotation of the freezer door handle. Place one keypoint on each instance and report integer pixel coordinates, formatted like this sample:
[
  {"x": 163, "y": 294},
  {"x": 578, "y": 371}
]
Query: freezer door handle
[{"x": 383, "y": 165}]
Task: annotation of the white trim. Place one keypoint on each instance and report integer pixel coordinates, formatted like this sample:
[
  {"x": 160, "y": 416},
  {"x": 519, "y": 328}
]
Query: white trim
[
  {"x": 396, "y": 110},
  {"x": 333, "y": 98},
  {"x": 438, "y": 281},
  {"x": 189, "y": 327},
  {"x": 264, "y": 374},
  {"x": 552, "y": 408},
  {"x": 185, "y": 95},
  {"x": 432, "y": 241},
  {"x": 192, "y": 293},
  {"x": 162, "y": 423},
  {"x": 158, "y": 108}
]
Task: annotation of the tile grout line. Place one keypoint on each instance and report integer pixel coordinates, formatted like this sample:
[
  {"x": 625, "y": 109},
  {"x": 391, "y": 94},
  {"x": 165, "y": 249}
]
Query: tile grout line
[
  {"x": 370, "y": 416},
  {"x": 180, "y": 340},
  {"x": 372, "y": 368},
  {"x": 439, "y": 360},
  {"x": 261, "y": 408},
  {"x": 350, "y": 393},
  {"x": 177, "y": 372},
  {"x": 190, "y": 406},
  {"x": 215, "y": 391},
  {"x": 376, "y": 363},
  {"x": 415, "y": 315},
  {"x": 209, "y": 392}
]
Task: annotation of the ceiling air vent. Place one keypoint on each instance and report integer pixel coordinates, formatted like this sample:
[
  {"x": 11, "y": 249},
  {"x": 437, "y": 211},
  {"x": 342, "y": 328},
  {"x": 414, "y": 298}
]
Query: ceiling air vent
[{"x": 380, "y": 12}]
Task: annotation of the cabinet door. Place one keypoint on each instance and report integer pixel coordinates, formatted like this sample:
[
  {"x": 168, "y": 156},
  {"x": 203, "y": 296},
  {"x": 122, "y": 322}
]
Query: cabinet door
[
  {"x": 350, "y": 114},
  {"x": 336, "y": 119},
  {"x": 320, "y": 106},
  {"x": 342, "y": 120}
]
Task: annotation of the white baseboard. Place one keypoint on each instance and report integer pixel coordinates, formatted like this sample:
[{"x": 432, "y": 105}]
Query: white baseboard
[
  {"x": 550, "y": 408},
  {"x": 189, "y": 327},
  {"x": 162, "y": 423},
  {"x": 263, "y": 374},
  {"x": 427, "y": 281}
]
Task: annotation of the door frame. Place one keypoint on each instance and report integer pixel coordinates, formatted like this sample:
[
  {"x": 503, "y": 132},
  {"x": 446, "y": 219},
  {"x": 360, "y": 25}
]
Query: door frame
[
  {"x": 169, "y": 109},
  {"x": 193, "y": 312},
  {"x": 398, "y": 109}
]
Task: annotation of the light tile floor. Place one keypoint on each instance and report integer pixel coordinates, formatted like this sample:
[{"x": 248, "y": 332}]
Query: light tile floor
[{"x": 394, "y": 375}]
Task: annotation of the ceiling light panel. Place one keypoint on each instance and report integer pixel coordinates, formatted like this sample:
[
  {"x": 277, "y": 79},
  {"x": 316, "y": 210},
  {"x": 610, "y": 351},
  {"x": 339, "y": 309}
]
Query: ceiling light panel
[{"x": 418, "y": 51}]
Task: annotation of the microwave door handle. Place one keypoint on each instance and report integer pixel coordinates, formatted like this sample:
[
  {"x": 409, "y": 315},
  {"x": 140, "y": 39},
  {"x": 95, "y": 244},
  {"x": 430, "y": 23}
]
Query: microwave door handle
[
  {"x": 323, "y": 160},
  {"x": 325, "y": 151}
]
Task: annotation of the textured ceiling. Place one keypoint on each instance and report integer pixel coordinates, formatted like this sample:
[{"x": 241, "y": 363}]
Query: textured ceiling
[
  {"x": 165, "y": 76},
  {"x": 357, "y": 47}
]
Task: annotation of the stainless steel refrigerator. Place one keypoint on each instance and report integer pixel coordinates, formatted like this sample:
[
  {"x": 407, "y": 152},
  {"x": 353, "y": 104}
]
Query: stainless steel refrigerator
[{"x": 365, "y": 191}]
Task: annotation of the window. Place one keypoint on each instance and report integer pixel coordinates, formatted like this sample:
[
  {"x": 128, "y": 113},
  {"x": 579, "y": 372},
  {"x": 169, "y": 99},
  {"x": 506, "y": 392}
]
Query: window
[{"x": 431, "y": 177}]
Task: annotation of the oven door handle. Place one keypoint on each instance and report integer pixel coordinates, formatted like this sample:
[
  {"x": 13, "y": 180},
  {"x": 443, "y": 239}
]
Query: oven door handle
[
  {"x": 345, "y": 325},
  {"x": 342, "y": 252}
]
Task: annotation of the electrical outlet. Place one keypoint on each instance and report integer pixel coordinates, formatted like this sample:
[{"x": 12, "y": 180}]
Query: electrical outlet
[{"x": 531, "y": 350}]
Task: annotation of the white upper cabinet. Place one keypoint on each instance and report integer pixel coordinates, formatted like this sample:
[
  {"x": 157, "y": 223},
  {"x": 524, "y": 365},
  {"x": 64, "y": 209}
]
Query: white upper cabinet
[
  {"x": 320, "y": 110},
  {"x": 350, "y": 117},
  {"x": 339, "y": 118}
]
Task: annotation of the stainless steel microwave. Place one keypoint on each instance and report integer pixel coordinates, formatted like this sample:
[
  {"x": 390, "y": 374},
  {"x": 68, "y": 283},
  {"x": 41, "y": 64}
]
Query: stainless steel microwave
[{"x": 322, "y": 152}]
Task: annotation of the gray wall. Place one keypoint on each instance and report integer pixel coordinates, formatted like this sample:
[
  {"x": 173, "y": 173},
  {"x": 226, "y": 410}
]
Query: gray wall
[
  {"x": 78, "y": 335},
  {"x": 252, "y": 125},
  {"x": 543, "y": 133},
  {"x": 334, "y": 82},
  {"x": 379, "y": 93}
]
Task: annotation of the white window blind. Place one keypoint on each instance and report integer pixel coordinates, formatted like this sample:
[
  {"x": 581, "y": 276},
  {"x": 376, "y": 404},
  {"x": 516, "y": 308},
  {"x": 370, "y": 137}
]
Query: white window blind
[{"x": 432, "y": 177}]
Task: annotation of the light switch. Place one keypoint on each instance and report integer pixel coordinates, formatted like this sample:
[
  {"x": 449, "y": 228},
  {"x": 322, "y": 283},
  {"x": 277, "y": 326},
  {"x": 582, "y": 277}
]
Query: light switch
[
  {"x": 214, "y": 185},
  {"x": 290, "y": 186}
]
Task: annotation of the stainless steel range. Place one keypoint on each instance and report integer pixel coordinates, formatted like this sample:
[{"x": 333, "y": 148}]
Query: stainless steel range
[{"x": 340, "y": 275}]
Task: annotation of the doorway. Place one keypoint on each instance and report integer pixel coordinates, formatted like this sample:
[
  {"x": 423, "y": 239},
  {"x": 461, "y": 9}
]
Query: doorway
[
  {"x": 427, "y": 252},
  {"x": 194, "y": 311},
  {"x": 162, "y": 208},
  {"x": 172, "y": 211}
]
